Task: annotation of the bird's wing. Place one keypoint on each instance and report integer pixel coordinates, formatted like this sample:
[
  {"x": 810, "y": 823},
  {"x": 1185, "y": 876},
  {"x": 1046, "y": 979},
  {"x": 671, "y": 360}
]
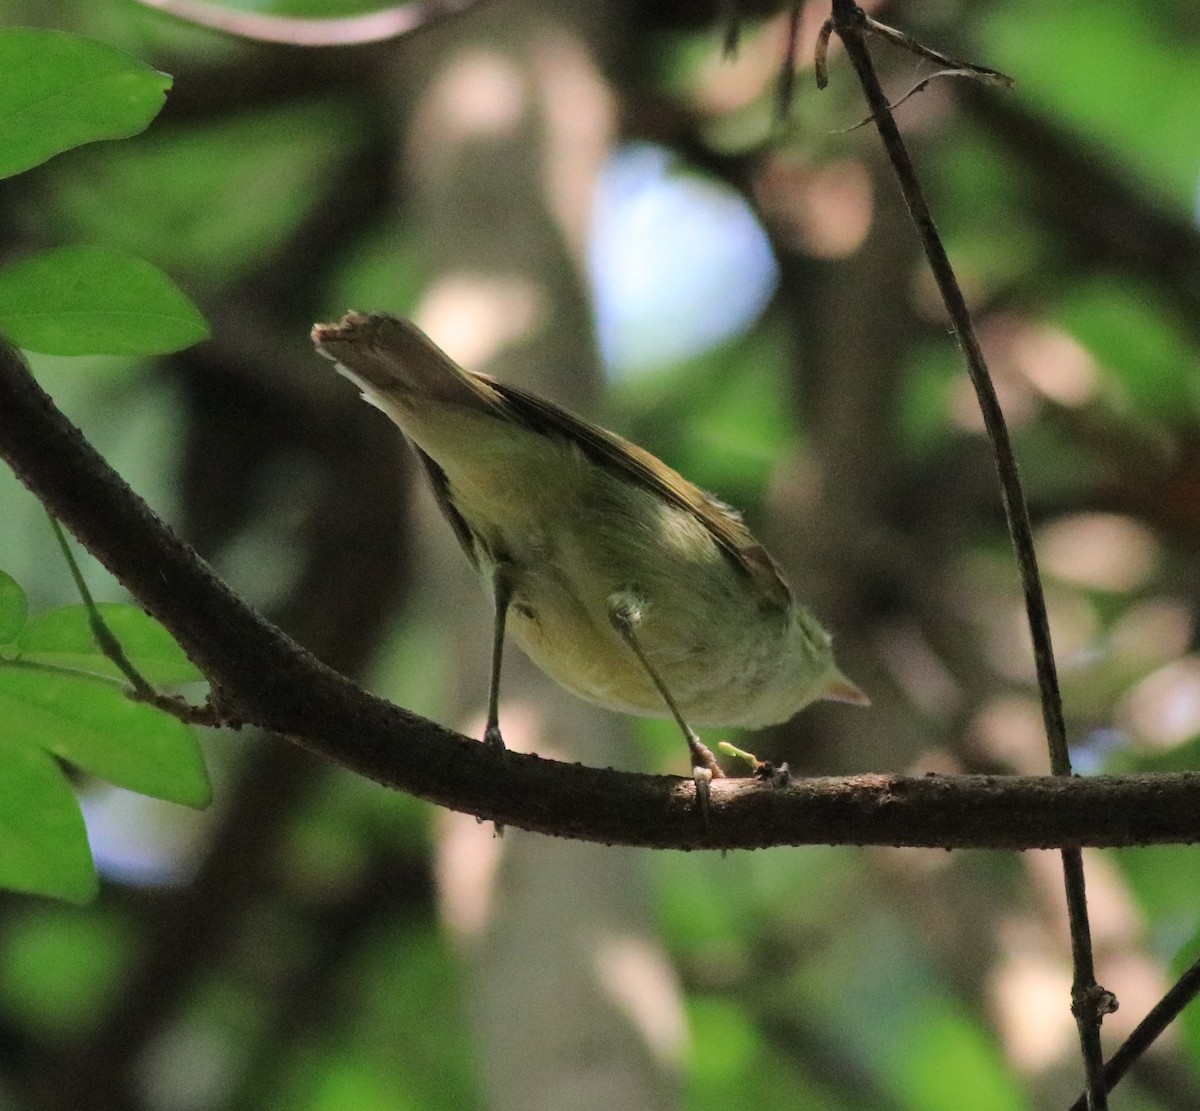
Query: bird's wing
[{"x": 609, "y": 450}]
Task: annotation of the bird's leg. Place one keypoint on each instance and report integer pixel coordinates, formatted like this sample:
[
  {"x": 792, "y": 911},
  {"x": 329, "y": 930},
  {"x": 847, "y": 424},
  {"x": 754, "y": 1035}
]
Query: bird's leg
[
  {"x": 625, "y": 612},
  {"x": 502, "y": 595}
]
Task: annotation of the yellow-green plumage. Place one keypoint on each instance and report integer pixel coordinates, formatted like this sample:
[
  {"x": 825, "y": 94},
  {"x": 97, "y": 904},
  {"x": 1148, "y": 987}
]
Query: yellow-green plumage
[{"x": 581, "y": 521}]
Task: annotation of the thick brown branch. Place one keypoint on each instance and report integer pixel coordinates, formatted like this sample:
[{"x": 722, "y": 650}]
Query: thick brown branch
[{"x": 265, "y": 678}]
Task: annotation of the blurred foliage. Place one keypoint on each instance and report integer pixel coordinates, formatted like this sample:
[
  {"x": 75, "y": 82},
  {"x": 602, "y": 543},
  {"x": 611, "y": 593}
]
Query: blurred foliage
[
  {"x": 207, "y": 202},
  {"x": 294, "y": 954}
]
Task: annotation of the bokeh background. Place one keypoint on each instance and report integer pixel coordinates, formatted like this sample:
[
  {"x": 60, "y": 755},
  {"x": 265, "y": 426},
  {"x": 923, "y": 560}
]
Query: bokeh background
[{"x": 588, "y": 199}]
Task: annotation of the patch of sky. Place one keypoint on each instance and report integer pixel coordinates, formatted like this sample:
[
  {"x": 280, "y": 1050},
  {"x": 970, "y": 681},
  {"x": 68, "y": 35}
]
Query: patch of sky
[{"x": 678, "y": 261}]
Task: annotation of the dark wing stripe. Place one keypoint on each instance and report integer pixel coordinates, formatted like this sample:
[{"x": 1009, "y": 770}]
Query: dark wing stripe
[
  {"x": 441, "y": 491},
  {"x": 607, "y": 449}
]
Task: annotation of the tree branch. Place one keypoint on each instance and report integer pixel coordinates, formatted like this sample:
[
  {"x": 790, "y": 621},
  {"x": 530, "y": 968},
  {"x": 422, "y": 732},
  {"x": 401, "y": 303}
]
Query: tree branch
[{"x": 261, "y": 676}]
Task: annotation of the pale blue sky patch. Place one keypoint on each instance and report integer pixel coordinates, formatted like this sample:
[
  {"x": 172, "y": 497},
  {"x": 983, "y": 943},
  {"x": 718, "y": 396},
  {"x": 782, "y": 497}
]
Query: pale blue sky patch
[{"x": 678, "y": 262}]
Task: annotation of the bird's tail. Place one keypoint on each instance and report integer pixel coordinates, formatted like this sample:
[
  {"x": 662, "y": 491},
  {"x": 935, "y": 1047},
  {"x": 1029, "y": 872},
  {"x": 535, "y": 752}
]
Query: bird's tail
[{"x": 390, "y": 359}]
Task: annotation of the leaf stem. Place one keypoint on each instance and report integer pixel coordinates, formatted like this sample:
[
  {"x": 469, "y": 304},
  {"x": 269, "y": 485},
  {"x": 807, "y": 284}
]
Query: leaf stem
[
  {"x": 207, "y": 714},
  {"x": 105, "y": 638}
]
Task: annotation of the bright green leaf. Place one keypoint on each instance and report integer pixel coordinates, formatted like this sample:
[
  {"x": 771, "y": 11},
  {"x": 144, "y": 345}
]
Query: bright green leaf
[
  {"x": 58, "y": 91},
  {"x": 13, "y": 608},
  {"x": 92, "y": 725},
  {"x": 63, "y": 638},
  {"x": 43, "y": 842},
  {"x": 95, "y": 301}
]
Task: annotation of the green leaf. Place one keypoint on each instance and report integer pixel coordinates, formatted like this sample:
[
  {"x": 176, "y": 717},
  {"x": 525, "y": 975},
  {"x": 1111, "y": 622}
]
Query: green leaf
[
  {"x": 63, "y": 638},
  {"x": 13, "y": 608},
  {"x": 95, "y": 301},
  {"x": 43, "y": 842},
  {"x": 58, "y": 91},
  {"x": 92, "y": 725}
]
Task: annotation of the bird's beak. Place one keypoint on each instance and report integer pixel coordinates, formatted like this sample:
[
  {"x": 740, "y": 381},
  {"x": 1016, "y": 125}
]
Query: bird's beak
[{"x": 840, "y": 689}]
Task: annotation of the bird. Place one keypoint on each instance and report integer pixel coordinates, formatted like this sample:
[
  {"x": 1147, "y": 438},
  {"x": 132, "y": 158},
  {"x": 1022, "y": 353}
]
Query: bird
[{"x": 623, "y": 581}]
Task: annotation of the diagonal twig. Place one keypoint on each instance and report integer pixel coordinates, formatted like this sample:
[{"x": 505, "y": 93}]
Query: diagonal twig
[
  {"x": 1089, "y": 1002},
  {"x": 1157, "y": 1019}
]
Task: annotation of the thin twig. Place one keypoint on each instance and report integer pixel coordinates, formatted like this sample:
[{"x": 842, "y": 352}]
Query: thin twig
[
  {"x": 1144, "y": 1035},
  {"x": 1089, "y": 1002},
  {"x": 106, "y": 640},
  {"x": 209, "y": 713},
  {"x": 951, "y": 67},
  {"x": 957, "y": 65},
  {"x": 919, "y": 87},
  {"x": 355, "y": 30}
]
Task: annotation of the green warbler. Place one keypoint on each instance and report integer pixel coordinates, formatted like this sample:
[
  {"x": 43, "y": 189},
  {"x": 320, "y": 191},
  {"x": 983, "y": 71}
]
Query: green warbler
[{"x": 623, "y": 581}]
